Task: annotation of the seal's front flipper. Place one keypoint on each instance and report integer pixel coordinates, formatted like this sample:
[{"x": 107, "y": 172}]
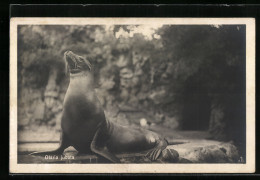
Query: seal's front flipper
[
  {"x": 64, "y": 143},
  {"x": 57, "y": 151},
  {"x": 98, "y": 146}
]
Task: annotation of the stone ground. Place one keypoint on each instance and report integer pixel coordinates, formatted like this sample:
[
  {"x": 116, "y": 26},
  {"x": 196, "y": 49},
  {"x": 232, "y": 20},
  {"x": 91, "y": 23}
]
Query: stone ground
[{"x": 191, "y": 147}]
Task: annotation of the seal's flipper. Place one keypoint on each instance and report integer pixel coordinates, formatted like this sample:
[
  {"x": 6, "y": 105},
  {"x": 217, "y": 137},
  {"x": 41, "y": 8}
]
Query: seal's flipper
[
  {"x": 157, "y": 150},
  {"x": 103, "y": 151},
  {"x": 98, "y": 146},
  {"x": 154, "y": 154},
  {"x": 54, "y": 152},
  {"x": 64, "y": 143}
]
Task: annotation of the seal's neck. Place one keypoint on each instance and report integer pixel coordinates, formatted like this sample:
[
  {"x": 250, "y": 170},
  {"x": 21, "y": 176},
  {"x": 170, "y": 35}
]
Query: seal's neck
[{"x": 81, "y": 81}]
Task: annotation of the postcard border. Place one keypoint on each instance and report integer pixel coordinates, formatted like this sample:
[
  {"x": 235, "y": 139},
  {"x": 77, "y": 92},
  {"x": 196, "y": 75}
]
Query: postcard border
[{"x": 249, "y": 167}]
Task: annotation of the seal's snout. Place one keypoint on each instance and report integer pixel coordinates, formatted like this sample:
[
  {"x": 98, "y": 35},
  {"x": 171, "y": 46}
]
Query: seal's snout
[
  {"x": 75, "y": 63},
  {"x": 68, "y": 56},
  {"x": 67, "y": 53}
]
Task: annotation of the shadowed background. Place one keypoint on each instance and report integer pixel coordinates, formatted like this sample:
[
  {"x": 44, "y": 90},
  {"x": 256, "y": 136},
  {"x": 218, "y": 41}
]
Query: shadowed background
[{"x": 183, "y": 78}]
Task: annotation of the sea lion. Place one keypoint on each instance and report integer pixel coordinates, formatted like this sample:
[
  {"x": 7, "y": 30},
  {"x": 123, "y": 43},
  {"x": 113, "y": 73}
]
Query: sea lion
[{"x": 85, "y": 127}]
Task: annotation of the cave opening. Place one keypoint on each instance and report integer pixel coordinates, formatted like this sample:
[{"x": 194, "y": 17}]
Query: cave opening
[
  {"x": 196, "y": 112},
  {"x": 196, "y": 104}
]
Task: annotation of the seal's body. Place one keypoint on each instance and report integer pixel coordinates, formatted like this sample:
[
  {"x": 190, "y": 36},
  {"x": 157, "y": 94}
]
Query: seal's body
[
  {"x": 82, "y": 113},
  {"x": 85, "y": 127}
]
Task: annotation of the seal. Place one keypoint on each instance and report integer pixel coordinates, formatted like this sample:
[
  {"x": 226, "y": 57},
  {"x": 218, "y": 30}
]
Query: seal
[{"x": 85, "y": 127}]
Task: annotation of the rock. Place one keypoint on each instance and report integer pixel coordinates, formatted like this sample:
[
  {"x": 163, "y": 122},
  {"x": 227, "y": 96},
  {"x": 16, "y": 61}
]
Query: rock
[
  {"x": 142, "y": 95},
  {"x": 169, "y": 68},
  {"x": 107, "y": 83},
  {"x": 121, "y": 119},
  {"x": 135, "y": 81},
  {"x": 39, "y": 110},
  {"x": 122, "y": 61},
  {"x": 133, "y": 100},
  {"x": 58, "y": 121},
  {"x": 111, "y": 111},
  {"x": 97, "y": 51},
  {"x": 171, "y": 122},
  {"x": 183, "y": 160},
  {"x": 124, "y": 94},
  {"x": 138, "y": 72},
  {"x": 207, "y": 151},
  {"x": 126, "y": 107},
  {"x": 158, "y": 96},
  {"x": 143, "y": 122},
  {"x": 57, "y": 106},
  {"x": 126, "y": 73},
  {"x": 139, "y": 59},
  {"x": 158, "y": 117},
  {"x": 231, "y": 151},
  {"x": 169, "y": 155},
  {"x": 211, "y": 154},
  {"x": 100, "y": 94},
  {"x": 126, "y": 83}
]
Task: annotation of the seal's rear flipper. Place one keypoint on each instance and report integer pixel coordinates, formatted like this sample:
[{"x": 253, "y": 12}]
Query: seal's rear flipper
[
  {"x": 154, "y": 154},
  {"x": 98, "y": 146},
  {"x": 103, "y": 151}
]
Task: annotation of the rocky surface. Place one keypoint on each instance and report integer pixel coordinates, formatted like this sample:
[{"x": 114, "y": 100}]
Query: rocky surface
[{"x": 207, "y": 151}]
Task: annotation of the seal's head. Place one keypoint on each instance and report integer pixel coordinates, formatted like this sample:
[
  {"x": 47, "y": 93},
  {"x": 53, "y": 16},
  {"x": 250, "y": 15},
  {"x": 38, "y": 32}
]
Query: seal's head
[{"x": 76, "y": 64}]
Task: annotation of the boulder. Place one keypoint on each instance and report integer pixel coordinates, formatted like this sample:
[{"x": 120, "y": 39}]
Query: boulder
[{"x": 207, "y": 151}]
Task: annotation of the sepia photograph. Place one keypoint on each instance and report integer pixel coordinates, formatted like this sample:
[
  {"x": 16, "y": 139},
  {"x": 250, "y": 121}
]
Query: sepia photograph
[{"x": 132, "y": 95}]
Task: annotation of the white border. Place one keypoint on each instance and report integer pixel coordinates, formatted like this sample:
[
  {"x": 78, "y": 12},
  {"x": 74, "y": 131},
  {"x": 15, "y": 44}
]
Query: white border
[{"x": 249, "y": 167}]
